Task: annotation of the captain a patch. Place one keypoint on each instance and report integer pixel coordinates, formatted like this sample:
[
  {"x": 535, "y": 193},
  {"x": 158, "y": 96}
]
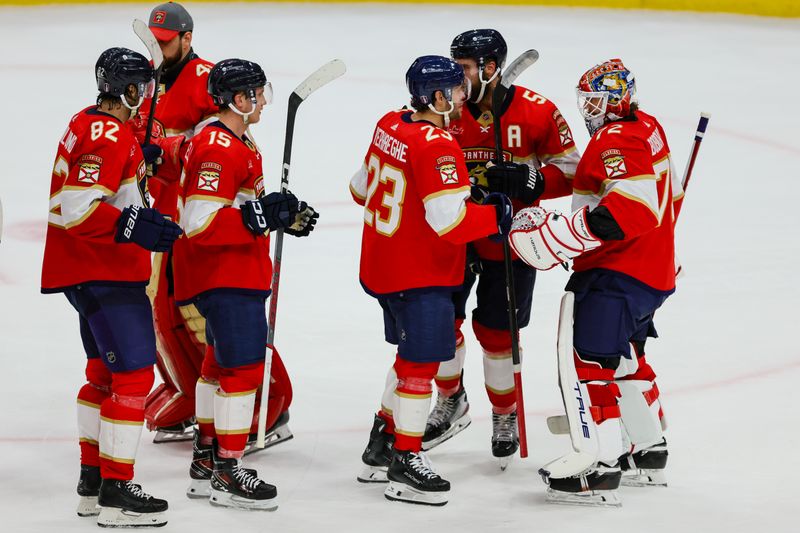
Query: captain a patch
[
  {"x": 614, "y": 163},
  {"x": 446, "y": 165}
]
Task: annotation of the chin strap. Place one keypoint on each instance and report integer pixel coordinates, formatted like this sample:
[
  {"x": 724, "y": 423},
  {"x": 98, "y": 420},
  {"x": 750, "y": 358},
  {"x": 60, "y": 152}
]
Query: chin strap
[
  {"x": 245, "y": 116},
  {"x": 445, "y": 114},
  {"x": 132, "y": 108},
  {"x": 484, "y": 83}
]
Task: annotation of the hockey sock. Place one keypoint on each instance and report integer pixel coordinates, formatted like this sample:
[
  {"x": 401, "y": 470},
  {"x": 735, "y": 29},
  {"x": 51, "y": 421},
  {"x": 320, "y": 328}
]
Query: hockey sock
[
  {"x": 90, "y": 398},
  {"x": 448, "y": 375},
  {"x": 412, "y": 398},
  {"x": 234, "y": 402},
  {"x": 387, "y": 400},
  {"x": 204, "y": 391},
  {"x": 121, "y": 421},
  {"x": 498, "y": 368}
]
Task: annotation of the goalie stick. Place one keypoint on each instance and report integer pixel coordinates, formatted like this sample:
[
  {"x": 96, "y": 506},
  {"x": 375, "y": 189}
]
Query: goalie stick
[
  {"x": 507, "y": 77},
  {"x": 143, "y": 32},
  {"x": 319, "y": 78}
]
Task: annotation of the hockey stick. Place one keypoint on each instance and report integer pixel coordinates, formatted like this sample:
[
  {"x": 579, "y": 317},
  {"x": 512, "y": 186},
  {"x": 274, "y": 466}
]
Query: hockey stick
[
  {"x": 319, "y": 78},
  {"x": 143, "y": 32},
  {"x": 507, "y": 77},
  {"x": 698, "y": 138}
]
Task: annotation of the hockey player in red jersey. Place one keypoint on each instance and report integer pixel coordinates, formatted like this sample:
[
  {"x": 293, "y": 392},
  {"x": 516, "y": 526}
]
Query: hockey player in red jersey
[
  {"x": 184, "y": 108},
  {"x": 539, "y": 161},
  {"x": 223, "y": 267},
  {"x": 97, "y": 253},
  {"x": 417, "y": 218},
  {"x": 620, "y": 235}
]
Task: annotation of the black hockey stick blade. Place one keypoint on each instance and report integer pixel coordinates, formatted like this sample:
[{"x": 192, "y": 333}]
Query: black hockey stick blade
[
  {"x": 320, "y": 77},
  {"x": 143, "y": 32}
]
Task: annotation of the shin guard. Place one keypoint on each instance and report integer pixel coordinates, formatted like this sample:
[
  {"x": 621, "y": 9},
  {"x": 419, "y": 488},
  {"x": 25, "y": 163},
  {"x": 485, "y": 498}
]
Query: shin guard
[
  {"x": 234, "y": 402},
  {"x": 412, "y": 399}
]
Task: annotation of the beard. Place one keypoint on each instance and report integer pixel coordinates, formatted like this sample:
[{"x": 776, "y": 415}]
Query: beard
[{"x": 171, "y": 61}]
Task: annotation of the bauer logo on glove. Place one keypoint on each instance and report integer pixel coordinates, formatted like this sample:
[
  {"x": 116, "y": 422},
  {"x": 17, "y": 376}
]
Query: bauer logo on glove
[{"x": 544, "y": 239}]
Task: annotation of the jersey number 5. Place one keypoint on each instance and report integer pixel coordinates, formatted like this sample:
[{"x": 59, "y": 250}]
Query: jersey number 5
[{"x": 391, "y": 200}]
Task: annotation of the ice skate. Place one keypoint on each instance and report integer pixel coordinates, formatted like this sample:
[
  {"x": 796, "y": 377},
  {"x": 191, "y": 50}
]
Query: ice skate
[
  {"x": 449, "y": 417},
  {"x": 412, "y": 480},
  {"x": 279, "y": 432},
  {"x": 125, "y": 504},
  {"x": 234, "y": 486},
  {"x": 645, "y": 468},
  {"x": 596, "y": 486},
  {"x": 178, "y": 433},
  {"x": 505, "y": 440},
  {"x": 88, "y": 490},
  {"x": 201, "y": 470},
  {"x": 378, "y": 454}
]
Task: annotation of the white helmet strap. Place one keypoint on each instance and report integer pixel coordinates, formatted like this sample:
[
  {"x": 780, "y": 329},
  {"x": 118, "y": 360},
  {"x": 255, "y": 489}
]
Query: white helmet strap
[
  {"x": 245, "y": 115},
  {"x": 484, "y": 82},
  {"x": 445, "y": 114}
]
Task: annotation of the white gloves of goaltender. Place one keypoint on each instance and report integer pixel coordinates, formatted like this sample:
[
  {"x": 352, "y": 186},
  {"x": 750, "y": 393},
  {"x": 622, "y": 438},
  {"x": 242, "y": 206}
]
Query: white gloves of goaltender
[{"x": 544, "y": 239}]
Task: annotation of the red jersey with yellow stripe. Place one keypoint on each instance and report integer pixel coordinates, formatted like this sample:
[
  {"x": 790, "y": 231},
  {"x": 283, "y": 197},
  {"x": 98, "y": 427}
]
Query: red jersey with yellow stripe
[
  {"x": 183, "y": 99},
  {"x": 533, "y": 132},
  {"x": 184, "y": 108},
  {"x": 217, "y": 251},
  {"x": 418, "y": 216},
  {"x": 99, "y": 170},
  {"x": 628, "y": 169}
]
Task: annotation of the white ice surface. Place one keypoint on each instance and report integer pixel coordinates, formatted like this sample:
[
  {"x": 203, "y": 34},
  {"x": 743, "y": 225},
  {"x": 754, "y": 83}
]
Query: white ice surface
[{"x": 728, "y": 360}]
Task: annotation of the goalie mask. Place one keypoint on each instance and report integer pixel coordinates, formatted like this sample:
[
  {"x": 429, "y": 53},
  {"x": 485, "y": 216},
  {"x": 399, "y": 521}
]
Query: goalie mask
[{"x": 605, "y": 94}]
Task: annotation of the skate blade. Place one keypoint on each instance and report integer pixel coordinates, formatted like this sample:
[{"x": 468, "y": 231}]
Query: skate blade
[
  {"x": 199, "y": 489},
  {"x": 280, "y": 434},
  {"x": 504, "y": 462},
  {"x": 400, "y": 492},
  {"x": 458, "y": 426},
  {"x": 373, "y": 474},
  {"x": 87, "y": 506},
  {"x": 644, "y": 478},
  {"x": 225, "y": 499},
  {"x": 114, "y": 517},
  {"x": 592, "y": 498},
  {"x": 164, "y": 437}
]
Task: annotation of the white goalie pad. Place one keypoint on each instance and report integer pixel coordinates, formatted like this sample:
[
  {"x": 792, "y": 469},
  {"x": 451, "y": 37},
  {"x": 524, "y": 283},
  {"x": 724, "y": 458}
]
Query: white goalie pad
[
  {"x": 640, "y": 420},
  {"x": 582, "y": 429}
]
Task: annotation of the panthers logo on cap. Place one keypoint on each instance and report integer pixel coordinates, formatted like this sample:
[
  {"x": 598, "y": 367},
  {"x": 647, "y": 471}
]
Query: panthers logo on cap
[{"x": 159, "y": 17}]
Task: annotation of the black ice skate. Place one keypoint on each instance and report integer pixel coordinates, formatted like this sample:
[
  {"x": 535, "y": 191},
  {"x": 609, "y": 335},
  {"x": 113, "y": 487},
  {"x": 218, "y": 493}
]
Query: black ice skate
[
  {"x": 645, "y": 468},
  {"x": 234, "y": 486},
  {"x": 505, "y": 440},
  {"x": 125, "y": 504},
  {"x": 378, "y": 454},
  {"x": 595, "y": 486},
  {"x": 201, "y": 469},
  {"x": 449, "y": 417},
  {"x": 412, "y": 480},
  {"x": 279, "y": 432},
  {"x": 88, "y": 490}
]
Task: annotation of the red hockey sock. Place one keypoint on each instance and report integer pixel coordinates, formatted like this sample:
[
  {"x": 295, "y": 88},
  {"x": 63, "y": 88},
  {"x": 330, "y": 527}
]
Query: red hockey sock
[{"x": 233, "y": 407}]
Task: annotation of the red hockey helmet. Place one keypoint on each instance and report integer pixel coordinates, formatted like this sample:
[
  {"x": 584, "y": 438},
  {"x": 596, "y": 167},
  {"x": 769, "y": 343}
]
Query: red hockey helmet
[{"x": 605, "y": 93}]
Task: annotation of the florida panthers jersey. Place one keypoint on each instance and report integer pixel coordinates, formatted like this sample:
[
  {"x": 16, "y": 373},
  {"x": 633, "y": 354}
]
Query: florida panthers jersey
[
  {"x": 183, "y": 99},
  {"x": 417, "y": 212},
  {"x": 217, "y": 251},
  {"x": 184, "y": 107},
  {"x": 628, "y": 169},
  {"x": 99, "y": 170},
  {"x": 534, "y": 132}
]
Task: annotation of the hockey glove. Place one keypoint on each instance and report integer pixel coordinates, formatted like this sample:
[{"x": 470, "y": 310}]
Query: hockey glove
[
  {"x": 271, "y": 212},
  {"x": 544, "y": 239},
  {"x": 304, "y": 221},
  {"x": 146, "y": 227},
  {"x": 505, "y": 211},
  {"x": 138, "y": 126},
  {"x": 516, "y": 180}
]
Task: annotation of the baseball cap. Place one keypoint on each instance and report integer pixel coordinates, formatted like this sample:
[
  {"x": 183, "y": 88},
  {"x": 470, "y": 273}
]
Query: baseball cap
[{"x": 167, "y": 20}]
